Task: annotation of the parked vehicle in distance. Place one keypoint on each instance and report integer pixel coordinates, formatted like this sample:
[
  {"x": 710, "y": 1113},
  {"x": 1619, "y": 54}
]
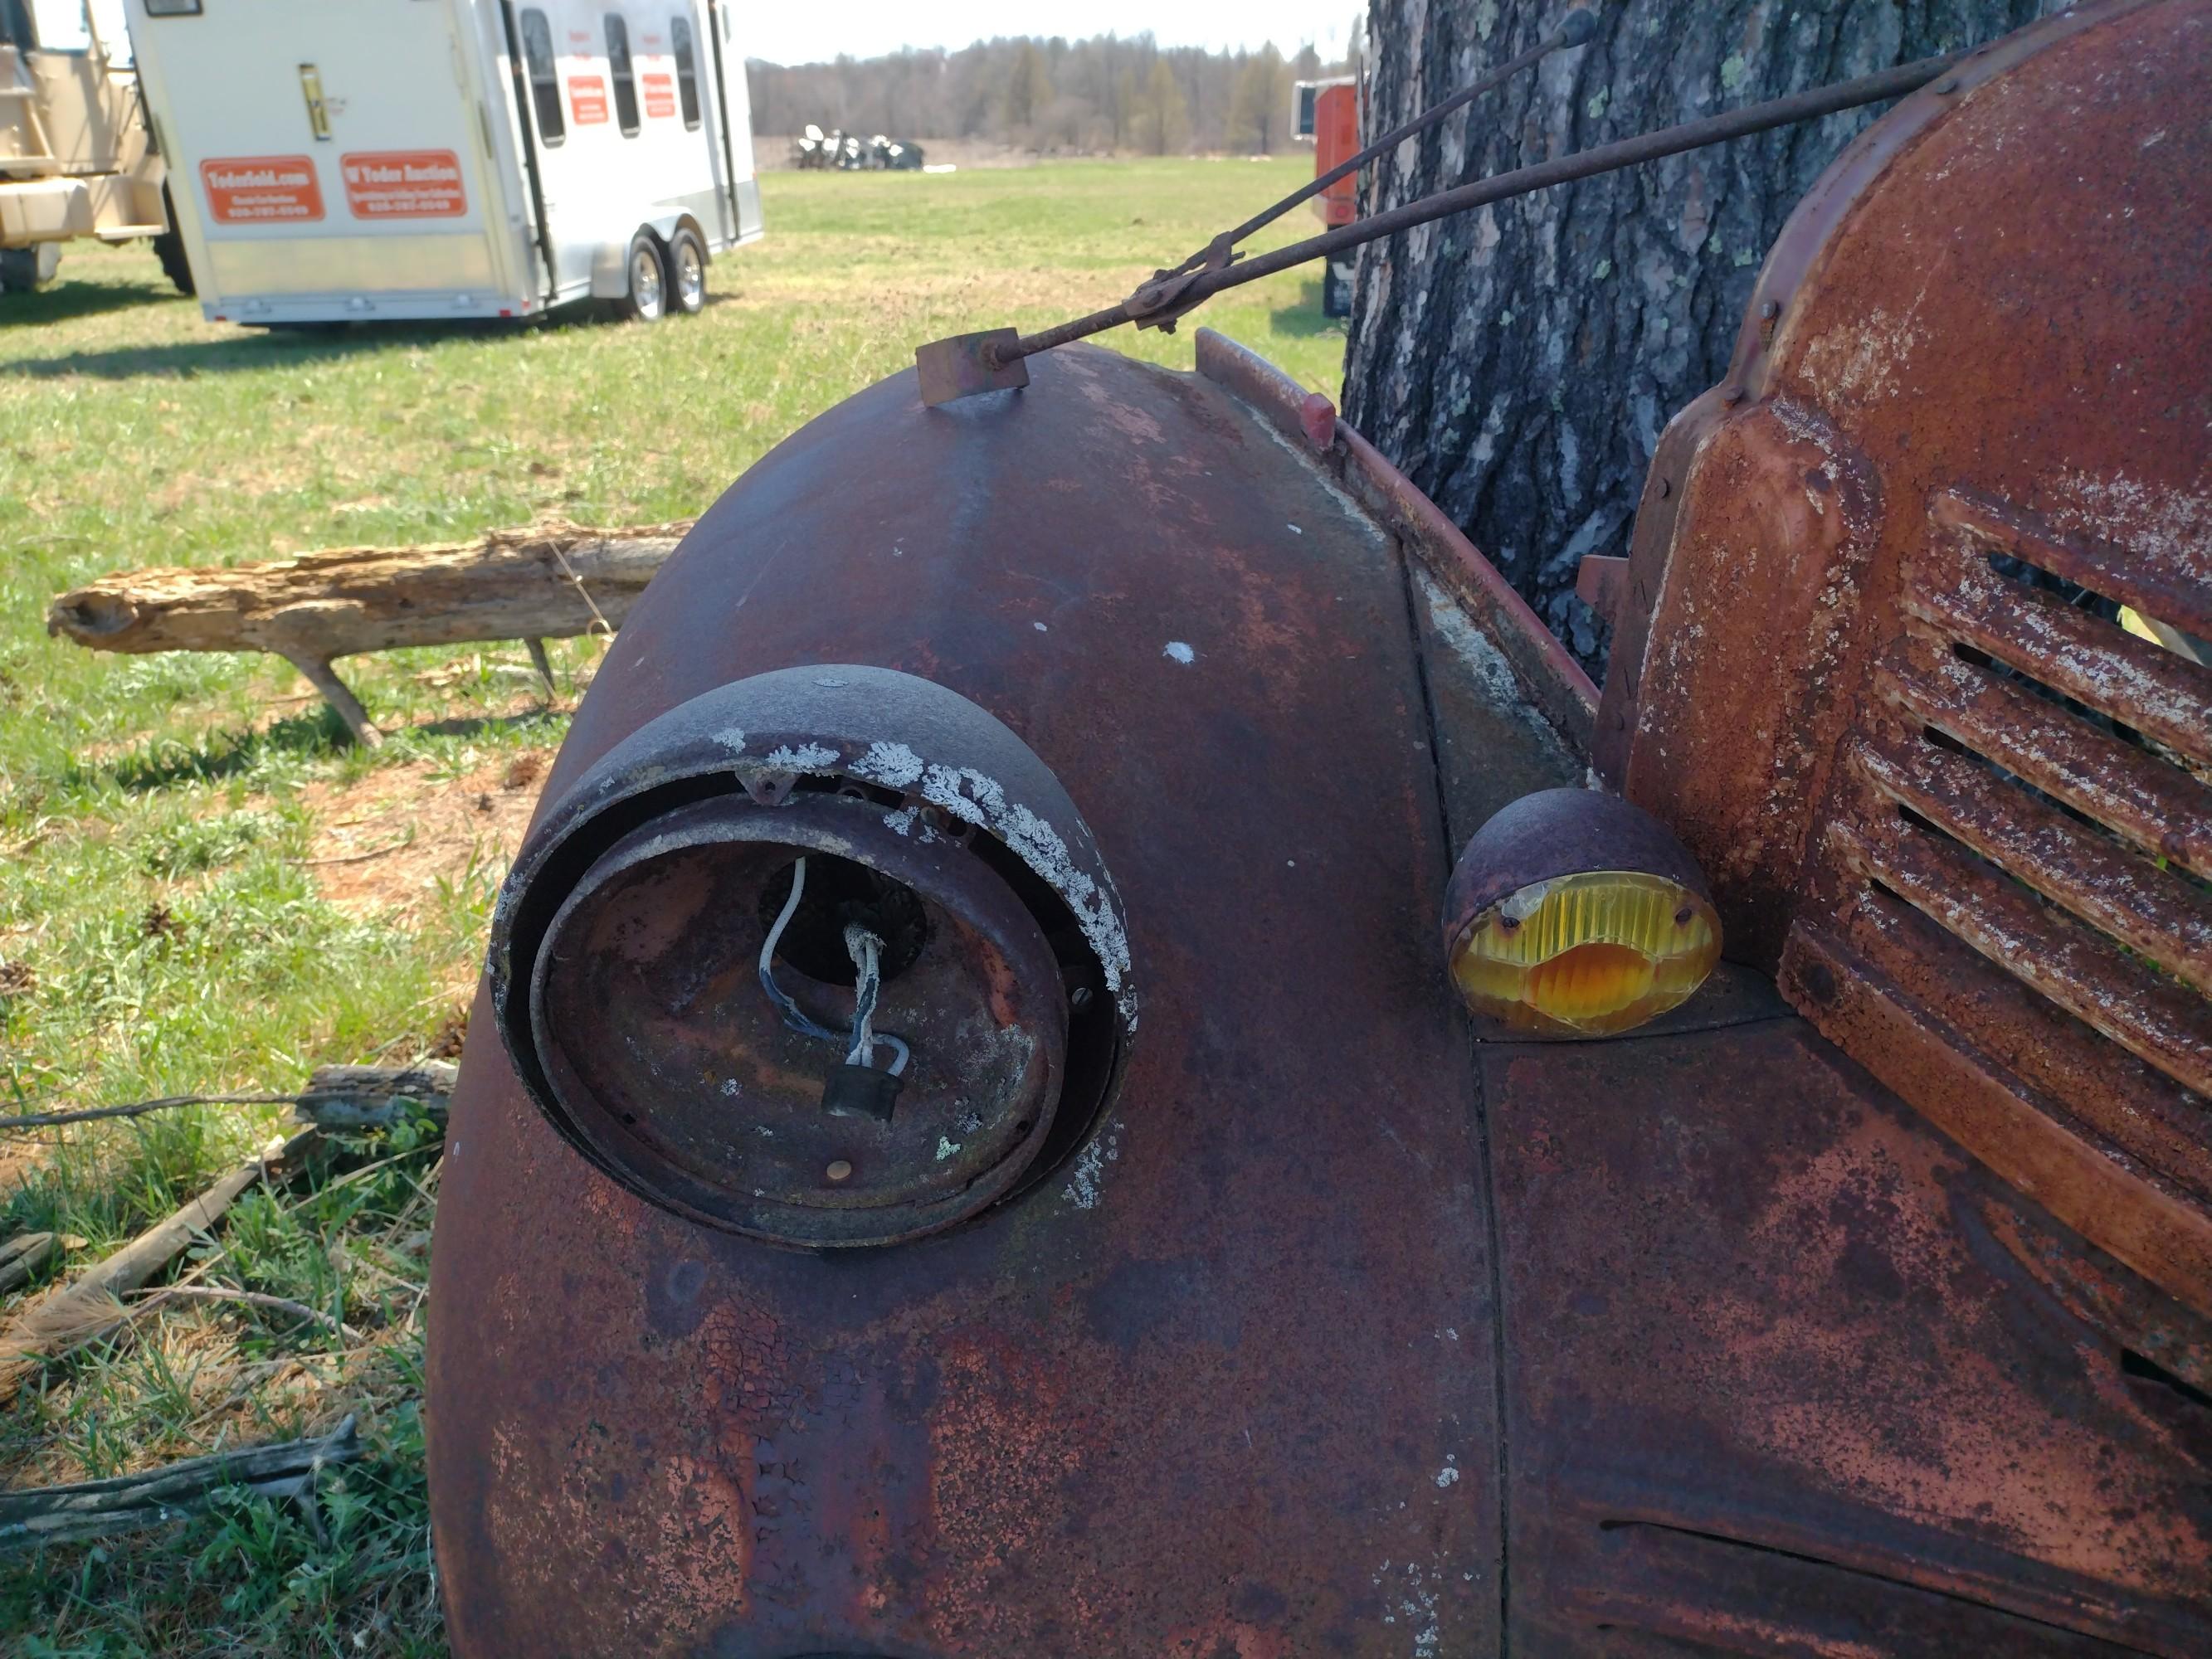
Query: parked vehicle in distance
[
  {"x": 77, "y": 156},
  {"x": 414, "y": 158},
  {"x": 1326, "y": 114},
  {"x": 813, "y": 151}
]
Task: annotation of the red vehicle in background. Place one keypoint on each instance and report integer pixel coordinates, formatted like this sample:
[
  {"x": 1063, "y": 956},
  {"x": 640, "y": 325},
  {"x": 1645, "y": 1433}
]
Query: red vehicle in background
[{"x": 1328, "y": 117}]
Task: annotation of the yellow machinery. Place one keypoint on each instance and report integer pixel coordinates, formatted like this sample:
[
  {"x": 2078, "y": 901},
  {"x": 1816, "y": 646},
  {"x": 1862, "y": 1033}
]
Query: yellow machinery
[{"x": 78, "y": 157}]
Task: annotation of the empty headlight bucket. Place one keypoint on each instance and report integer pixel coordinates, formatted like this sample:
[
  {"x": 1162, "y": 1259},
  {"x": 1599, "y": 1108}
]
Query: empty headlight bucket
[{"x": 826, "y": 956}]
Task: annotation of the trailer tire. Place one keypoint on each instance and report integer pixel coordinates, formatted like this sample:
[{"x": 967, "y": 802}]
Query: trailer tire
[
  {"x": 687, "y": 271},
  {"x": 169, "y": 248},
  {"x": 646, "y": 302}
]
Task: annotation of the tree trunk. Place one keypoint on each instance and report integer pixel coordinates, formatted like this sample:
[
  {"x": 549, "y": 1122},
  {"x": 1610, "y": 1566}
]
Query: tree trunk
[{"x": 1519, "y": 362}]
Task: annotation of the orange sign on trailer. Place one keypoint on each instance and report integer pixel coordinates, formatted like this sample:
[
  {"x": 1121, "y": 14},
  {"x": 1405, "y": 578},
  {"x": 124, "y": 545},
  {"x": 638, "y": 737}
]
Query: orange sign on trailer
[
  {"x": 588, "y": 100},
  {"x": 659, "y": 96},
  {"x": 259, "y": 189},
  {"x": 404, "y": 184}
]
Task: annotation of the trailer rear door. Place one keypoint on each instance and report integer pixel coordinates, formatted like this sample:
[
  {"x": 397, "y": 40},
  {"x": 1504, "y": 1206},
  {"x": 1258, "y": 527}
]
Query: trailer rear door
[{"x": 331, "y": 153}]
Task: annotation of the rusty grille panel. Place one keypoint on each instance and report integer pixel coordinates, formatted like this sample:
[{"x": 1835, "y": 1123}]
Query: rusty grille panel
[{"x": 2021, "y": 862}]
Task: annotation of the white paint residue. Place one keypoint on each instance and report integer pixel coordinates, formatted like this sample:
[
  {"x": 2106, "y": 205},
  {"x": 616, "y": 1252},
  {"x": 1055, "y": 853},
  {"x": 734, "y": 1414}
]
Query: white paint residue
[
  {"x": 1863, "y": 359},
  {"x": 730, "y": 1087},
  {"x": 945, "y": 1148},
  {"x": 1177, "y": 651},
  {"x": 1087, "y": 1179},
  {"x": 1416, "y": 1606},
  {"x": 2170, "y": 527},
  {"x": 891, "y": 763},
  {"x": 807, "y": 757},
  {"x": 900, "y": 823},
  {"x": 1448, "y": 1475},
  {"x": 1039, "y": 627},
  {"x": 1294, "y": 530},
  {"x": 977, "y": 798},
  {"x": 731, "y": 740}
]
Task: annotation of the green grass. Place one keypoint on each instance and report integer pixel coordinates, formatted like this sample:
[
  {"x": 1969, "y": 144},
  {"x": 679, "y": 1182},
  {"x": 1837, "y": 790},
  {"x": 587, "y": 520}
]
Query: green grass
[{"x": 161, "y": 932}]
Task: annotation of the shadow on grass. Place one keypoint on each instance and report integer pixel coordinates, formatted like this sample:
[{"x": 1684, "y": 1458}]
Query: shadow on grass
[
  {"x": 67, "y": 301},
  {"x": 219, "y": 755},
  {"x": 248, "y": 350},
  {"x": 316, "y": 731},
  {"x": 1303, "y": 321}
]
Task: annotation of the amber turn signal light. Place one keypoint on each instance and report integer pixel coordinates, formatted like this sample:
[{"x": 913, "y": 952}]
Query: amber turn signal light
[{"x": 1575, "y": 914}]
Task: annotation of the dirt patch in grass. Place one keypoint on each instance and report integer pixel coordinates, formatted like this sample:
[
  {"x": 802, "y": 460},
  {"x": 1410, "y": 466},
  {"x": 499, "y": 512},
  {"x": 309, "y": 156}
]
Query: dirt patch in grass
[{"x": 390, "y": 843}]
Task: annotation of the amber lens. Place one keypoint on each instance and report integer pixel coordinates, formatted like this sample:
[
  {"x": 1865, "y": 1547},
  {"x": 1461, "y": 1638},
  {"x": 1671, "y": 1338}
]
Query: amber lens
[{"x": 1593, "y": 954}]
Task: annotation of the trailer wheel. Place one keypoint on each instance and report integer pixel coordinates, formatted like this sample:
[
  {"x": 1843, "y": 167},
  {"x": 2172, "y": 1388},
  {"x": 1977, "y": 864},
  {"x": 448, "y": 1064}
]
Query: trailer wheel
[
  {"x": 687, "y": 270},
  {"x": 647, "y": 299},
  {"x": 169, "y": 248}
]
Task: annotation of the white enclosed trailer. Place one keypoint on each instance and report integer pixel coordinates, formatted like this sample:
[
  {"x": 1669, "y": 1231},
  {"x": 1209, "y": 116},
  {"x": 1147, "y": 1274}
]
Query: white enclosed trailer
[{"x": 342, "y": 161}]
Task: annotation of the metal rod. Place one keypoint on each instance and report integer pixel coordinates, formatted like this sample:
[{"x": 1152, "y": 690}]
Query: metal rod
[
  {"x": 1576, "y": 29},
  {"x": 1606, "y": 158}
]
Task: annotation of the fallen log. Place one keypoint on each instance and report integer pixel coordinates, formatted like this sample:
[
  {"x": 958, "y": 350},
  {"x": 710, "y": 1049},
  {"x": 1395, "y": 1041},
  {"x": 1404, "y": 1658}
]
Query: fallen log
[
  {"x": 551, "y": 581},
  {"x": 92, "y": 1508},
  {"x": 68, "y": 1316}
]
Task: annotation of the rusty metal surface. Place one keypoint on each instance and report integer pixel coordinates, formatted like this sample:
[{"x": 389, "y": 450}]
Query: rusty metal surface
[
  {"x": 1975, "y": 355},
  {"x": 966, "y": 364},
  {"x": 1224, "y": 1378},
  {"x": 1335, "y": 1336},
  {"x": 2094, "y": 1173},
  {"x": 1775, "y": 1387},
  {"x": 1548, "y": 677}
]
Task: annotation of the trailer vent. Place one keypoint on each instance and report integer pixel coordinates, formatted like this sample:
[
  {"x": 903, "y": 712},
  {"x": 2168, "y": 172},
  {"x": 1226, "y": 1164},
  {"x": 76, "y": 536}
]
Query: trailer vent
[{"x": 2012, "y": 910}]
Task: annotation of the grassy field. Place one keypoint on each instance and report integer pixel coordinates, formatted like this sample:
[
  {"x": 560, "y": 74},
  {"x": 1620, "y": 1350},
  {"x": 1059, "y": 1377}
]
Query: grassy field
[{"x": 204, "y": 888}]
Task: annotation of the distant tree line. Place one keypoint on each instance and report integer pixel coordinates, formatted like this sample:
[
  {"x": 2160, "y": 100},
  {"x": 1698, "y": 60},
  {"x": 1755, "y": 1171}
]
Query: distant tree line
[{"x": 1103, "y": 93}]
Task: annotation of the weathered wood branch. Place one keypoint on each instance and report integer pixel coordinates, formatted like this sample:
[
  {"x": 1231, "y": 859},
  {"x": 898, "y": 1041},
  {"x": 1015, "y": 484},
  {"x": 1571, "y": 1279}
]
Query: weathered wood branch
[
  {"x": 551, "y": 581},
  {"x": 24, "y": 1255},
  {"x": 92, "y": 1508},
  {"x": 87, "y": 1308}
]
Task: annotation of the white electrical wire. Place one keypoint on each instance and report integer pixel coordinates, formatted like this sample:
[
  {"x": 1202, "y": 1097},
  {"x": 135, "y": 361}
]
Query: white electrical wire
[{"x": 866, "y": 951}]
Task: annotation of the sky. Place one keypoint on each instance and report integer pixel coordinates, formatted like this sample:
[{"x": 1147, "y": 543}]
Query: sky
[{"x": 810, "y": 34}]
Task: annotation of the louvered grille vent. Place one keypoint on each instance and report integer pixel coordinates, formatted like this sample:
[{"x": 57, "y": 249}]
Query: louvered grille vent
[{"x": 2022, "y": 857}]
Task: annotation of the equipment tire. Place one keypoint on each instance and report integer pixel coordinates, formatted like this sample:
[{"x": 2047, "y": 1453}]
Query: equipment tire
[{"x": 169, "y": 248}]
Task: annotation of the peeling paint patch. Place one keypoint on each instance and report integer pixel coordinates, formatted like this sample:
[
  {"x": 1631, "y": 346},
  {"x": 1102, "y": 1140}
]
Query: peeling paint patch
[
  {"x": 1178, "y": 651},
  {"x": 977, "y": 798}
]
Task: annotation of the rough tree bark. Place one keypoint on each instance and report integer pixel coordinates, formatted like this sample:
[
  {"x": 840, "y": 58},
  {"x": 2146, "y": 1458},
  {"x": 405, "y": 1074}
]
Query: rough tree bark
[{"x": 1519, "y": 362}]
